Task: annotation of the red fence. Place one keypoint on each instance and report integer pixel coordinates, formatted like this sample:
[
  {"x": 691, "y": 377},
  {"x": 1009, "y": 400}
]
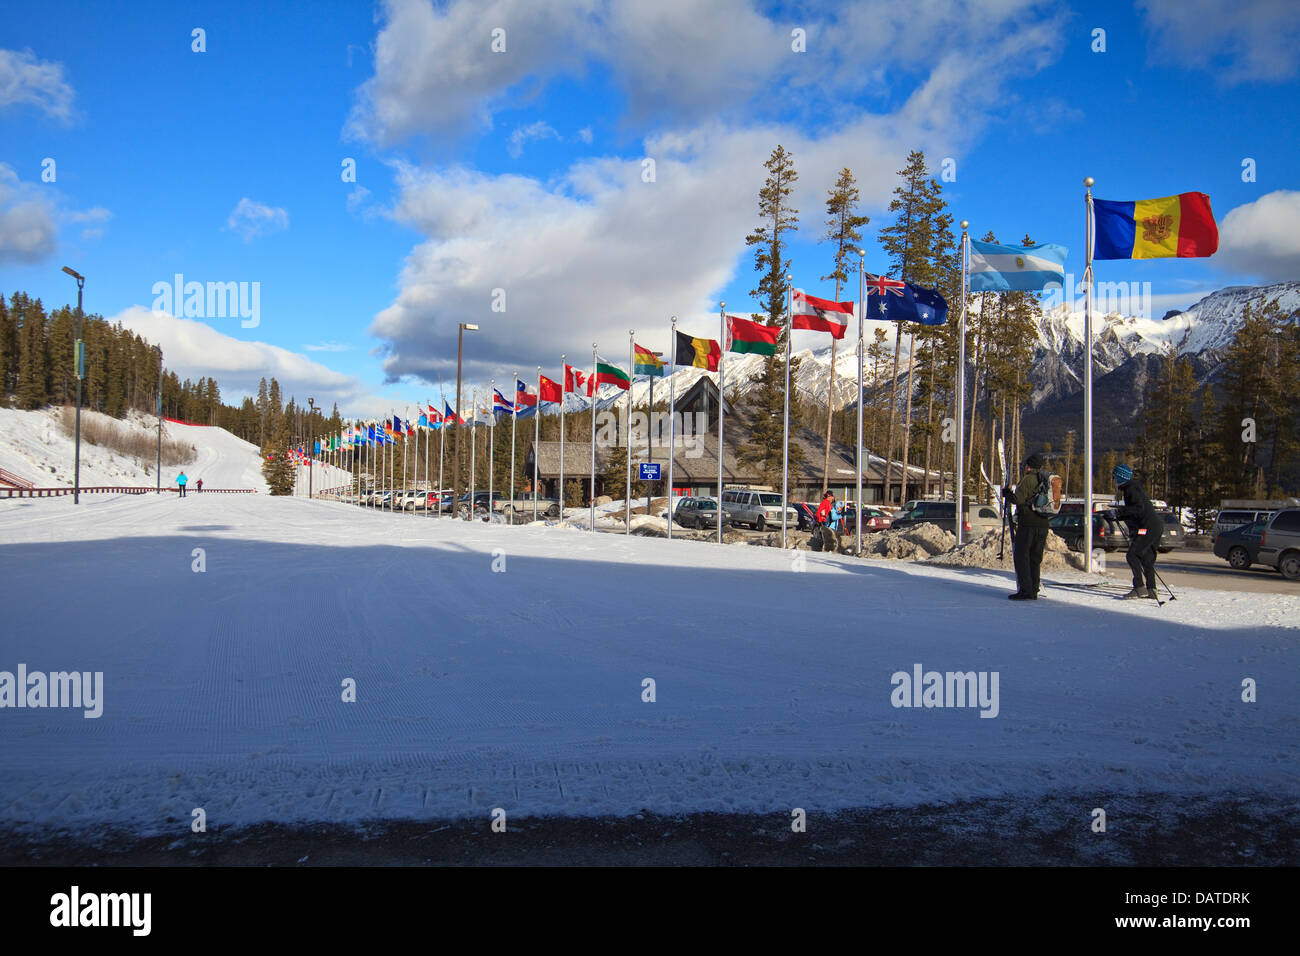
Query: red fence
[{"x": 112, "y": 490}]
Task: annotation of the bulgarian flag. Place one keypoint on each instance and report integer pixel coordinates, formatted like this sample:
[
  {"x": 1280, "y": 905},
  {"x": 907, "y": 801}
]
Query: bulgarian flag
[
  {"x": 607, "y": 374},
  {"x": 550, "y": 391},
  {"x": 750, "y": 337},
  {"x": 645, "y": 362},
  {"x": 821, "y": 315}
]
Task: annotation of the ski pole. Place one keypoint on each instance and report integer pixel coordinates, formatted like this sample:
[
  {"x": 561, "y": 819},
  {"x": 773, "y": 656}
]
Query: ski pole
[{"x": 1167, "y": 587}]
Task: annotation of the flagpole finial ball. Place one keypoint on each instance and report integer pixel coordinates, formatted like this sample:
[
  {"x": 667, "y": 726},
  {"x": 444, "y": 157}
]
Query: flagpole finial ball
[
  {"x": 965, "y": 224},
  {"x": 722, "y": 305},
  {"x": 1088, "y": 181}
]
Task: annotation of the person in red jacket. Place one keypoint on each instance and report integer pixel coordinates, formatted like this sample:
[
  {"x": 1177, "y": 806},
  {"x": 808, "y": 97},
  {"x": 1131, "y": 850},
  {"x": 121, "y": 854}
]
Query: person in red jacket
[{"x": 199, "y": 485}]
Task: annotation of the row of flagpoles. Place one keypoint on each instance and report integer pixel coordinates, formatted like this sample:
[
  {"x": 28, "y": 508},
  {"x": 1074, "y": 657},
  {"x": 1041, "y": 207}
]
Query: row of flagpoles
[{"x": 1176, "y": 226}]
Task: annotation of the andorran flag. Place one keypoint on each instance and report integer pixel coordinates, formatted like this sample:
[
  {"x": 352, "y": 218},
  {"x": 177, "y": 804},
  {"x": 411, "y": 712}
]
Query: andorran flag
[
  {"x": 1181, "y": 226},
  {"x": 750, "y": 337},
  {"x": 645, "y": 362},
  {"x": 701, "y": 353}
]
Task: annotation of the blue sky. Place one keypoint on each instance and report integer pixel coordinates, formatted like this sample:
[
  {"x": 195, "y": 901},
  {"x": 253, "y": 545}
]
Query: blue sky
[{"x": 522, "y": 170}]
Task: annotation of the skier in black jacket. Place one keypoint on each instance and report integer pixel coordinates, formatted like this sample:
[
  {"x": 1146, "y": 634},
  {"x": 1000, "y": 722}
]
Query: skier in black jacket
[{"x": 1145, "y": 526}]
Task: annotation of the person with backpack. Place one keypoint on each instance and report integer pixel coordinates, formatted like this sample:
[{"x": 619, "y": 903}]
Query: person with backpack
[
  {"x": 1145, "y": 526},
  {"x": 1030, "y": 531},
  {"x": 823, "y": 517},
  {"x": 834, "y": 525},
  {"x": 180, "y": 483}
]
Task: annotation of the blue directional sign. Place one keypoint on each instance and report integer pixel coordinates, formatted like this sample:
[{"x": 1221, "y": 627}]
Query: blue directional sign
[{"x": 649, "y": 471}]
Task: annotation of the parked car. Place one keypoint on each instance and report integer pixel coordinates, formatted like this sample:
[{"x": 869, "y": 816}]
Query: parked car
[
  {"x": 481, "y": 501},
  {"x": 873, "y": 519},
  {"x": 696, "y": 513},
  {"x": 805, "y": 514},
  {"x": 1240, "y": 546},
  {"x": 978, "y": 518},
  {"x": 1230, "y": 518},
  {"x": 1175, "y": 535},
  {"x": 758, "y": 509},
  {"x": 1106, "y": 534},
  {"x": 1279, "y": 545}
]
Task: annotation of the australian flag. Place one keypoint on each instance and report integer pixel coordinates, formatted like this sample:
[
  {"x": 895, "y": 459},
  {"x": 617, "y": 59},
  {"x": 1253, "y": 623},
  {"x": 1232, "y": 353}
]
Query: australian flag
[{"x": 892, "y": 300}]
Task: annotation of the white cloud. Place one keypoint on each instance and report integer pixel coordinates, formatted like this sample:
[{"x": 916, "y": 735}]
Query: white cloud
[
  {"x": 96, "y": 214},
  {"x": 584, "y": 134},
  {"x": 28, "y": 232},
  {"x": 596, "y": 251},
  {"x": 1239, "y": 42},
  {"x": 25, "y": 80},
  {"x": 357, "y": 198},
  {"x": 328, "y": 347},
  {"x": 1260, "y": 238},
  {"x": 193, "y": 349},
  {"x": 251, "y": 220},
  {"x": 522, "y": 134}
]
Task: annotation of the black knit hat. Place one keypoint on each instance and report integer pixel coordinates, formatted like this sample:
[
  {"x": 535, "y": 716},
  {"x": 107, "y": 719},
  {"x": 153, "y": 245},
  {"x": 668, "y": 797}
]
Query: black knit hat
[{"x": 1035, "y": 461}]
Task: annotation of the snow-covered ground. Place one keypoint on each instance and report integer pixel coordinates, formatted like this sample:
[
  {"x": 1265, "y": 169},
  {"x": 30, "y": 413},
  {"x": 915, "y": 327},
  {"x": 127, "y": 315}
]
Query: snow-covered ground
[
  {"x": 33, "y": 446},
  {"x": 504, "y": 666}
]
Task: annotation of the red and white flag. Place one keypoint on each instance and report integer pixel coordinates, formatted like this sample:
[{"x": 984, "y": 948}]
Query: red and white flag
[
  {"x": 821, "y": 315},
  {"x": 576, "y": 380}
]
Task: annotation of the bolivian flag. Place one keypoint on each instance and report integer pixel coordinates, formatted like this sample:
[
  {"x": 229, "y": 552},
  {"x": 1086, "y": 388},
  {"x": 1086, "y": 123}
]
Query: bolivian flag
[
  {"x": 646, "y": 362},
  {"x": 1181, "y": 226},
  {"x": 701, "y": 353}
]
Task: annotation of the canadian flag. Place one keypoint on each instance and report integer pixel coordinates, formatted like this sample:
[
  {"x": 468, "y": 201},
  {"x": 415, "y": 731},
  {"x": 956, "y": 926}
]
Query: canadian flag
[{"x": 575, "y": 380}]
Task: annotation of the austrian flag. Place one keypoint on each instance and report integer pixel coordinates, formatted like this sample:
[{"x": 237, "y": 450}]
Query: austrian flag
[{"x": 821, "y": 315}]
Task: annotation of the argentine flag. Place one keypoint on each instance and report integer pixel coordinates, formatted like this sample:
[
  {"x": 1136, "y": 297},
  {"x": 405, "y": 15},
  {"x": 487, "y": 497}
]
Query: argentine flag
[{"x": 996, "y": 268}]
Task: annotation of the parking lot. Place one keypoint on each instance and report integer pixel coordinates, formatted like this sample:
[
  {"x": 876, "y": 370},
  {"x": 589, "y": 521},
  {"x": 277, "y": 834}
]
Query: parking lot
[{"x": 1193, "y": 567}]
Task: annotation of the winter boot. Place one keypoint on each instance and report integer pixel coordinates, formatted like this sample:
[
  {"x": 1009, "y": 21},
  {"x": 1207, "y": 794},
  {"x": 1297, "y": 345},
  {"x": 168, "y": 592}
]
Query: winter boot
[
  {"x": 1135, "y": 593},
  {"x": 1151, "y": 593}
]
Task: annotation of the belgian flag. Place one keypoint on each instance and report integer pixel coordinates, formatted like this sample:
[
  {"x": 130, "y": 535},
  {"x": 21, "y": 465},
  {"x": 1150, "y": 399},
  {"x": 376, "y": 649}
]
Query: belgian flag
[{"x": 701, "y": 353}]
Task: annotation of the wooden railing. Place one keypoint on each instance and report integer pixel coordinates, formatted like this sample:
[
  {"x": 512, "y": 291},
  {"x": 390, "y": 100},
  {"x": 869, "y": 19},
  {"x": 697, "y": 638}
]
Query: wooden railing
[
  {"x": 112, "y": 490},
  {"x": 9, "y": 478}
]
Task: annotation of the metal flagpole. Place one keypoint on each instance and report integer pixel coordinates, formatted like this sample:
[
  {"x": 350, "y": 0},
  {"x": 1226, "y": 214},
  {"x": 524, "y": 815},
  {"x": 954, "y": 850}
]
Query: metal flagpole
[
  {"x": 722, "y": 358},
  {"x": 672, "y": 421},
  {"x": 428, "y": 440},
  {"x": 649, "y": 432},
  {"x": 564, "y": 383},
  {"x": 404, "y": 444},
  {"x": 392, "y": 473},
  {"x": 473, "y": 448},
  {"x": 442, "y": 445},
  {"x": 514, "y": 417},
  {"x": 631, "y": 368},
  {"x": 595, "y": 392},
  {"x": 492, "y": 444},
  {"x": 785, "y": 449},
  {"x": 862, "y": 314},
  {"x": 1087, "y": 377},
  {"x": 537, "y": 438},
  {"x": 960, "y": 478}
]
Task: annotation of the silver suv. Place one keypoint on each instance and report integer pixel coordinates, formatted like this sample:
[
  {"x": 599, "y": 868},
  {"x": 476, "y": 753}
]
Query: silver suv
[
  {"x": 1279, "y": 546},
  {"x": 758, "y": 509}
]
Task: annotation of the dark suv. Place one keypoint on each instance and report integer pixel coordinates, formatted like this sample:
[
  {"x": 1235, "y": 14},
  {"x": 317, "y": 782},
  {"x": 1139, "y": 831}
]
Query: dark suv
[{"x": 1279, "y": 545}]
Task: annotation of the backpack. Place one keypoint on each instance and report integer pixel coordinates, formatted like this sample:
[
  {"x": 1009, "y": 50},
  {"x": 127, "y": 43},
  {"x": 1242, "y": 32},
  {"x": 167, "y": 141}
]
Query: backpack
[{"x": 1046, "y": 502}]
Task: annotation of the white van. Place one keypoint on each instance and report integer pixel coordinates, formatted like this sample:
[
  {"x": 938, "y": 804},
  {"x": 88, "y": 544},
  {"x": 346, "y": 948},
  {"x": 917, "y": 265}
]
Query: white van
[{"x": 758, "y": 509}]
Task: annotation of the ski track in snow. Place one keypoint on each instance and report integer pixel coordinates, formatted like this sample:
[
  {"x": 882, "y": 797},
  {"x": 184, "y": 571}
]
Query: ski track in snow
[{"x": 522, "y": 689}]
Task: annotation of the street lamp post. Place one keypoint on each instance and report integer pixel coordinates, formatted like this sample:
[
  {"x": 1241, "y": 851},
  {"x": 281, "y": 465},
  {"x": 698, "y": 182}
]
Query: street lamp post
[
  {"x": 311, "y": 428},
  {"x": 79, "y": 363},
  {"x": 460, "y": 352}
]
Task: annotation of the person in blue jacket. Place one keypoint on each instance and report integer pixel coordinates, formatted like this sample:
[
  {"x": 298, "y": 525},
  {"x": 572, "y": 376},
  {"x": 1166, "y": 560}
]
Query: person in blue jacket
[
  {"x": 834, "y": 521},
  {"x": 180, "y": 482}
]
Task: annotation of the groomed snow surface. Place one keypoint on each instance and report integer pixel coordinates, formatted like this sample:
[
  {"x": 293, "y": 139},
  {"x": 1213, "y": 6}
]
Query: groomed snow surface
[{"x": 503, "y": 666}]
